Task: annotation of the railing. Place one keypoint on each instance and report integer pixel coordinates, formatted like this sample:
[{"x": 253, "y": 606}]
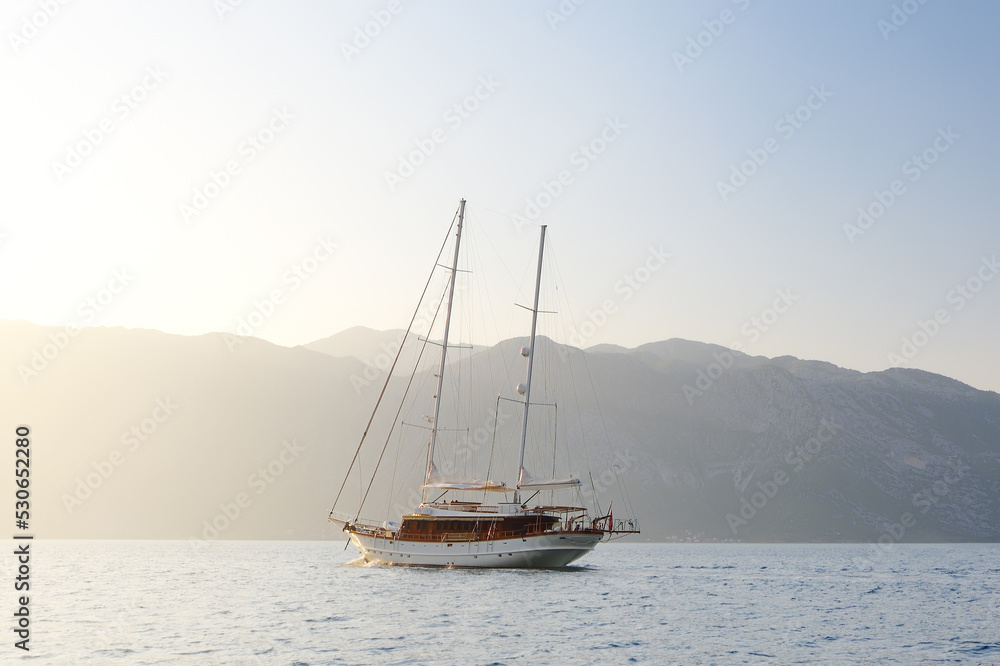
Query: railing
[
  {"x": 459, "y": 536},
  {"x": 610, "y": 525},
  {"x": 485, "y": 534},
  {"x": 625, "y": 526},
  {"x": 472, "y": 507},
  {"x": 487, "y": 531},
  {"x": 360, "y": 526},
  {"x": 468, "y": 508},
  {"x": 337, "y": 517}
]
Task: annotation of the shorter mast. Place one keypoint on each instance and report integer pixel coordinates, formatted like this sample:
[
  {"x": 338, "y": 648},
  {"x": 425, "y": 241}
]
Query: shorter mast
[
  {"x": 444, "y": 351},
  {"x": 531, "y": 359}
]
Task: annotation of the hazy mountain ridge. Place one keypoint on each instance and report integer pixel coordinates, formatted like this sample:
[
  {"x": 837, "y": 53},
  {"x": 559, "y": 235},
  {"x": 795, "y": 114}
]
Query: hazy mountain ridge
[
  {"x": 815, "y": 451},
  {"x": 901, "y": 447}
]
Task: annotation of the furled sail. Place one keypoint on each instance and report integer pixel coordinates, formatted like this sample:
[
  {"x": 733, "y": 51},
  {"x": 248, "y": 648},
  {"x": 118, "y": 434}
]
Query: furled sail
[
  {"x": 527, "y": 482},
  {"x": 437, "y": 481}
]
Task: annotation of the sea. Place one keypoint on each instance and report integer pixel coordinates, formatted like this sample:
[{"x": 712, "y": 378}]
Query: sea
[{"x": 272, "y": 602}]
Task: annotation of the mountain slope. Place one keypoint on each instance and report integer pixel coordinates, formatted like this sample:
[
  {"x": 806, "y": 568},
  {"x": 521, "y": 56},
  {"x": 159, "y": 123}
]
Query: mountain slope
[{"x": 142, "y": 434}]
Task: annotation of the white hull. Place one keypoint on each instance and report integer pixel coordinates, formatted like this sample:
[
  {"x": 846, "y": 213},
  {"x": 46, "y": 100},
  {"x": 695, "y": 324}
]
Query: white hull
[{"x": 541, "y": 551}]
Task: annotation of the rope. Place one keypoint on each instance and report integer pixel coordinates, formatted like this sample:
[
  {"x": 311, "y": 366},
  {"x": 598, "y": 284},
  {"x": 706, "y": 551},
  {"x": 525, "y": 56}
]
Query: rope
[
  {"x": 394, "y": 418},
  {"x": 389, "y": 375}
]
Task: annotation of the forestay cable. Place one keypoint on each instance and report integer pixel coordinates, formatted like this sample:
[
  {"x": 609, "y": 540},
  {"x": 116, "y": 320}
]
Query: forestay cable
[{"x": 393, "y": 366}]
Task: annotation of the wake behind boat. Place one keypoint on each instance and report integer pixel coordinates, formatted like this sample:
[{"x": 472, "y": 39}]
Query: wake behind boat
[{"x": 450, "y": 530}]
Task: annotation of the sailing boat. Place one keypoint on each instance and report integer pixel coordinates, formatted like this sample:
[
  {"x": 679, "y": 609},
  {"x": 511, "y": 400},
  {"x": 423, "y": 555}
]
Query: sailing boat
[{"x": 459, "y": 533}]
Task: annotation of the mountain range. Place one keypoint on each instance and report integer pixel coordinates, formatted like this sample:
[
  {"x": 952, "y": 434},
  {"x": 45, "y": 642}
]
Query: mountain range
[{"x": 142, "y": 434}]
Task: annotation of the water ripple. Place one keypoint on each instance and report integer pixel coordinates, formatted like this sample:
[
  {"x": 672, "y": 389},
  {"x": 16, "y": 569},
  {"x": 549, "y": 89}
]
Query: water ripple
[{"x": 302, "y": 602}]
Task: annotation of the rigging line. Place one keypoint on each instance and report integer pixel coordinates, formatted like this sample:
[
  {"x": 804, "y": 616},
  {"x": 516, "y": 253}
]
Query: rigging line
[
  {"x": 607, "y": 438},
  {"x": 484, "y": 309},
  {"x": 493, "y": 441},
  {"x": 399, "y": 451},
  {"x": 555, "y": 435},
  {"x": 467, "y": 329},
  {"x": 586, "y": 451},
  {"x": 508, "y": 367},
  {"x": 559, "y": 297},
  {"x": 475, "y": 300},
  {"x": 394, "y": 418},
  {"x": 479, "y": 205},
  {"x": 392, "y": 480},
  {"x": 389, "y": 375},
  {"x": 471, "y": 252},
  {"x": 499, "y": 257},
  {"x": 597, "y": 502},
  {"x": 488, "y": 309},
  {"x": 513, "y": 439},
  {"x": 507, "y": 216},
  {"x": 455, "y": 375},
  {"x": 409, "y": 474},
  {"x": 503, "y": 340}
]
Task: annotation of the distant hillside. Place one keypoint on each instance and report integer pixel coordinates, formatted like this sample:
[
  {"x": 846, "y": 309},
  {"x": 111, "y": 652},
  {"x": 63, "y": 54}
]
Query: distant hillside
[
  {"x": 360, "y": 342},
  {"x": 137, "y": 433}
]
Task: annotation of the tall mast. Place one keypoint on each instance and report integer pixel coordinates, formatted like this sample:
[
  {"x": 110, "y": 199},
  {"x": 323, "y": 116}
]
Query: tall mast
[
  {"x": 531, "y": 360},
  {"x": 444, "y": 349}
]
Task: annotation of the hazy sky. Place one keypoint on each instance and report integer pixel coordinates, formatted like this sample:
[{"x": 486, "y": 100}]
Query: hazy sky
[{"x": 741, "y": 138}]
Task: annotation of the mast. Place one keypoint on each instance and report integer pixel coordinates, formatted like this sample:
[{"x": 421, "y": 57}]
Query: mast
[
  {"x": 531, "y": 360},
  {"x": 444, "y": 349}
]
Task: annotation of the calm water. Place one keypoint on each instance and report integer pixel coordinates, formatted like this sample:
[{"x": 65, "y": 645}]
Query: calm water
[{"x": 295, "y": 602}]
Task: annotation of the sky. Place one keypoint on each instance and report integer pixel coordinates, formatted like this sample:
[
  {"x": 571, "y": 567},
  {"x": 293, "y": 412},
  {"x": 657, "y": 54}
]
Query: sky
[{"x": 807, "y": 179}]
